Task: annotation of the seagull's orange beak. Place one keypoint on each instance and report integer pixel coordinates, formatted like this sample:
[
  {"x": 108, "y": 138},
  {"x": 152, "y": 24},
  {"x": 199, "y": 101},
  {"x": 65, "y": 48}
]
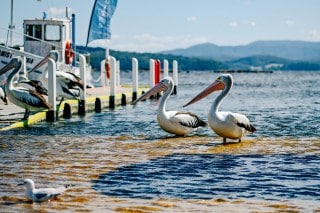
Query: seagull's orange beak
[
  {"x": 215, "y": 86},
  {"x": 157, "y": 88}
]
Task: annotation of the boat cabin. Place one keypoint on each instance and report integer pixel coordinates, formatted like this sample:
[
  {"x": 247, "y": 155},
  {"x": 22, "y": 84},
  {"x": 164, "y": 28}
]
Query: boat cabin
[{"x": 44, "y": 35}]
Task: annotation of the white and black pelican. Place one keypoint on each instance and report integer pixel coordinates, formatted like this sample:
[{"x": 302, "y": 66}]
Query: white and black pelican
[
  {"x": 68, "y": 84},
  {"x": 225, "y": 124},
  {"x": 20, "y": 96},
  {"x": 178, "y": 123},
  {"x": 42, "y": 194}
]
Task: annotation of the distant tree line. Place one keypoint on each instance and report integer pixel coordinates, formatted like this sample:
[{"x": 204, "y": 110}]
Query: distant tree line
[{"x": 196, "y": 63}]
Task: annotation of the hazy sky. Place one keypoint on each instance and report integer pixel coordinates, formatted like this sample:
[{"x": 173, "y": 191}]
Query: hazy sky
[{"x": 156, "y": 25}]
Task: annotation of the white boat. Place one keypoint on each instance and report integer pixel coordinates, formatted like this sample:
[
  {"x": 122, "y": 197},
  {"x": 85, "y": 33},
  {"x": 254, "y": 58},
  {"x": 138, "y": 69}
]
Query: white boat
[{"x": 41, "y": 36}]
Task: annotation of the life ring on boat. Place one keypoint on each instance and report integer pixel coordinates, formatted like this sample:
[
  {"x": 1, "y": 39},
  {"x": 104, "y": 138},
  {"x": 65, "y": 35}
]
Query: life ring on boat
[
  {"x": 68, "y": 53},
  {"x": 107, "y": 67}
]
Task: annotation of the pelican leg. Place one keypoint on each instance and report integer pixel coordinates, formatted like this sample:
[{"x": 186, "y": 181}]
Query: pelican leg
[
  {"x": 60, "y": 102},
  {"x": 26, "y": 115}
]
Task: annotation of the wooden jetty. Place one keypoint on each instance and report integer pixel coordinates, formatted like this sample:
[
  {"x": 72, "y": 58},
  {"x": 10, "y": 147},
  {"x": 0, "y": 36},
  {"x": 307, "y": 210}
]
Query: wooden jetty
[
  {"x": 97, "y": 100},
  {"x": 92, "y": 99}
]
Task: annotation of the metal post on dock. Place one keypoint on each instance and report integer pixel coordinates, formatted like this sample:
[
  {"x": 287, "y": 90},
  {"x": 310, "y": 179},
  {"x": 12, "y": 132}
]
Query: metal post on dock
[
  {"x": 165, "y": 68},
  {"x": 51, "y": 114},
  {"x": 113, "y": 69},
  {"x": 82, "y": 101},
  {"x": 73, "y": 20},
  {"x": 175, "y": 76},
  {"x": 135, "y": 77}
]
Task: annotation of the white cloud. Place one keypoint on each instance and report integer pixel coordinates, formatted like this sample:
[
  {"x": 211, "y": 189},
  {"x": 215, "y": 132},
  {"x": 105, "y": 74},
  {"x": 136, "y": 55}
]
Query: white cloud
[
  {"x": 251, "y": 23},
  {"x": 314, "y": 34},
  {"x": 58, "y": 12},
  {"x": 191, "y": 19},
  {"x": 289, "y": 23},
  {"x": 233, "y": 24},
  {"x": 154, "y": 43}
]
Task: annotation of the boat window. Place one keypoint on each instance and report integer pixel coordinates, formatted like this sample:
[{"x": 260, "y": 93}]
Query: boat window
[
  {"x": 33, "y": 32},
  {"x": 52, "y": 32}
]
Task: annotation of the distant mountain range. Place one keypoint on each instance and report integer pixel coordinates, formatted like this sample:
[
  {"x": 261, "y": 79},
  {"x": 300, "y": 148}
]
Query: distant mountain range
[
  {"x": 259, "y": 55},
  {"x": 293, "y": 50}
]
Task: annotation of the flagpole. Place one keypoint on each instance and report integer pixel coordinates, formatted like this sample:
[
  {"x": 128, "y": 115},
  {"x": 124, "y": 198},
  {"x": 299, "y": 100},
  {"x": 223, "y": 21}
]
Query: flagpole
[
  {"x": 11, "y": 26},
  {"x": 107, "y": 48}
]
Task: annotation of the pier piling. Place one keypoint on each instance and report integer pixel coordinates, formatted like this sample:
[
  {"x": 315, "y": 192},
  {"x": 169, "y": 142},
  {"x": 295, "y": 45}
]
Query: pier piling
[{"x": 51, "y": 115}]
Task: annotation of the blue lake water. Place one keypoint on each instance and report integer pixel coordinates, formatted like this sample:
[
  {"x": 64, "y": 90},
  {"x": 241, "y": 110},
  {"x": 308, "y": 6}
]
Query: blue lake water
[{"x": 121, "y": 160}]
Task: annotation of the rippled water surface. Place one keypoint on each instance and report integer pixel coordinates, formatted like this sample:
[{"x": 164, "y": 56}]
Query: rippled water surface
[{"x": 121, "y": 161}]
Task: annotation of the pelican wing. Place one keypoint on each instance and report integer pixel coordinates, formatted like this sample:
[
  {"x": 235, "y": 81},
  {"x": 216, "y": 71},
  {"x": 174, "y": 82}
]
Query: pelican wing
[
  {"x": 70, "y": 79},
  {"x": 189, "y": 119},
  {"x": 242, "y": 121},
  {"x": 31, "y": 98},
  {"x": 34, "y": 85},
  {"x": 69, "y": 92}
]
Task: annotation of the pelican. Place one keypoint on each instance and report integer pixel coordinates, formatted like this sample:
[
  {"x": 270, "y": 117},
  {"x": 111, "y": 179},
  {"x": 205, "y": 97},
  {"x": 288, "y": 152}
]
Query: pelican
[
  {"x": 20, "y": 96},
  {"x": 42, "y": 194},
  {"x": 68, "y": 84},
  {"x": 174, "y": 122},
  {"x": 225, "y": 124},
  {"x": 22, "y": 81}
]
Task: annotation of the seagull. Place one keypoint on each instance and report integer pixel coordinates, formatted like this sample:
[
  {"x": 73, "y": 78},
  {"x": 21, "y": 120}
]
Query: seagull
[
  {"x": 42, "y": 194},
  {"x": 174, "y": 122},
  {"x": 225, "y": 124}
]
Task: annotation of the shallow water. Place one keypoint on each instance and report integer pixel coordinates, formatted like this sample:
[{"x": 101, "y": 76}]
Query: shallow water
[{"x": 122, "y": 161}]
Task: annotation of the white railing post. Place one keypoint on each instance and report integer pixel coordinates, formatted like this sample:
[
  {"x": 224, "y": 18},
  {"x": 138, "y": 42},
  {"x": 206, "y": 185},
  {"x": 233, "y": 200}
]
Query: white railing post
[
  {"x": 165, "y": 68},
  {"x": 152, "y": 68},
  {"x": 82, "y": 101},
  {"x": 52, "y": 92},
  {"x": 113, "y": 70},
  {"x": 135, "y": 77},
  {"x": 118, "y": 73},
  {"x": 175, "y": 76}
]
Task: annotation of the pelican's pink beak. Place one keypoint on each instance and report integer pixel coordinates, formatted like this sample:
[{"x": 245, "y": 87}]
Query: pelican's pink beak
[
  {"x": 8, "y": 67},
  {"x": 42, "y": 62},
  {"x": 157, "y": 88},
  {"x": 215, "y": 86}
]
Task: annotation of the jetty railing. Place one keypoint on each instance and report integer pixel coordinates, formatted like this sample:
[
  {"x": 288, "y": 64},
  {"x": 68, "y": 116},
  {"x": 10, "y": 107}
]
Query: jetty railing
[{"x": 114, "y": 83}]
